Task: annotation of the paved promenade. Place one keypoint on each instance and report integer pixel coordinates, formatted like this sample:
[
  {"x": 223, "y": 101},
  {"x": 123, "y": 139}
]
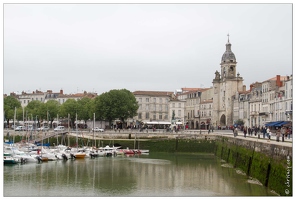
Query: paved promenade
[{"x": 132, "y": 134}]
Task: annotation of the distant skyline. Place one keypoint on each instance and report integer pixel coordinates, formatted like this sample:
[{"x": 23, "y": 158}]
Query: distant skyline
[{"x": 155, "y": 47}]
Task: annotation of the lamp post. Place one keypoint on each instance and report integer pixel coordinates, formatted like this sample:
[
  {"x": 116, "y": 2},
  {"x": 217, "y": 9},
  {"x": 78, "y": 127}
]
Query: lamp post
[
  {"x": 184, "y": 122},
  {"x": 199, "y": 124}
]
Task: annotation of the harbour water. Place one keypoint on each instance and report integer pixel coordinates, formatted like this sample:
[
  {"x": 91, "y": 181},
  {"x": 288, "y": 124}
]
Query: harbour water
[{"x": 153, "y": 175}]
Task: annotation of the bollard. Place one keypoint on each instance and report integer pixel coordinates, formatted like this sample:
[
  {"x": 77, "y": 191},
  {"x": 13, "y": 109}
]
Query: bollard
[{"x": 283, "y": 137}]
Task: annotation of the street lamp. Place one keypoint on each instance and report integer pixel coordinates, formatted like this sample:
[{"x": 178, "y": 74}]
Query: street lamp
[{"x": 199, "y": 124}]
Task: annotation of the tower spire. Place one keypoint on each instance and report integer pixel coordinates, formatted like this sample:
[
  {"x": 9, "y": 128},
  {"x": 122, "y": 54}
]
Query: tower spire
[{"x": 228, "y": 37}]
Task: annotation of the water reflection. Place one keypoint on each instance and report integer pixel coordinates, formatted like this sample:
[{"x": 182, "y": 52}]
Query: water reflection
[{"x": 159, "y": 174}]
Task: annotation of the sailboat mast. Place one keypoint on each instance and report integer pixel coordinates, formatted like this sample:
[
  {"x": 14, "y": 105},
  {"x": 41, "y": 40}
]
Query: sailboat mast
[
  {"x": 76, "y": 133},
  {"x": 14, "y": 123},
  {"x": 68, "y": 129},
  {"x": 94, "y": 130}
]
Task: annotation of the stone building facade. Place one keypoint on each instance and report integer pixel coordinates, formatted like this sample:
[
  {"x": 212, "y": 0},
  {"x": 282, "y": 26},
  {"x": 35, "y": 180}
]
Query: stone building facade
[{"x": 153, "y": 106}]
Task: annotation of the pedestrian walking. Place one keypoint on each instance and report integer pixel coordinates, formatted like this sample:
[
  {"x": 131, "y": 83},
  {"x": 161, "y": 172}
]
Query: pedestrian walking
[
  {"x": 264, "y": 132},
  {"x": 235, "y": 132},
  {"x": 268, "y": 132},
  {"x": 245, "y": 132},
  {"x": 278, "y": 134},
  {"x": 289, "y": 132},
  {"x": 283, "y": 132}
]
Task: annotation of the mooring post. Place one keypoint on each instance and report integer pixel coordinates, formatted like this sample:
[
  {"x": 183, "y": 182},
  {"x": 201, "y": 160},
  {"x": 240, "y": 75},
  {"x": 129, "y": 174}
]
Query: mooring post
[
  {"x": 267, "y": 175},
  {"x": 249, "y": 165}
]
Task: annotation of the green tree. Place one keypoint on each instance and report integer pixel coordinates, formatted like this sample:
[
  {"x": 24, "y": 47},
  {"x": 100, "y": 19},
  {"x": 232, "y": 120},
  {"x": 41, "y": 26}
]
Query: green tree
[
  {"x": 10, "y": 104},
  {"x": 84, "y": 106},
  {"x": 34, "y": 110},
  {"x": 69, "y": 107},
  {"x": 50, "y": 110},
  {"x": 116, "y": 104},
  {"x": 239, "y": 122}
]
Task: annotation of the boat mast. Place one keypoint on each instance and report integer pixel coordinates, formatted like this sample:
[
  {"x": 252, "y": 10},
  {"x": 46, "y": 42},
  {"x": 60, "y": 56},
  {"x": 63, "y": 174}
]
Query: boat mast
[
  {"x": 57, "y": 131},
  {"x": 76, "y": 133},
  {"x": 14, "y": 124},
  {"x": 68, "y": 130}
]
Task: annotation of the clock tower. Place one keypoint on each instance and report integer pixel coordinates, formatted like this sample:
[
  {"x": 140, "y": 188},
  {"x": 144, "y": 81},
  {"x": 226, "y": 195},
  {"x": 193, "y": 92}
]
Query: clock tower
[{"x": 225, "y": 84}]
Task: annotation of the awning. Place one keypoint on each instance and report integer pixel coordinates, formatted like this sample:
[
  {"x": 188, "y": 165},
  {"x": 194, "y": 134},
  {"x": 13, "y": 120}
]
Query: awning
[
  {"x": 272, "y": 123},
  {"x": 282, "y": 123},
  {"x": 268, "y": 124},
  {"x": 277, "y": 123}
]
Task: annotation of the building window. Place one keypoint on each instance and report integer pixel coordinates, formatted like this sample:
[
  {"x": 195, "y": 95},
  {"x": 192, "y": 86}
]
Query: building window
[
  {"x": 179, "y": 113},
  {"x": 154, "y": 117},
  {"x": 160, "y": 116},
  {"x": 140, "y": 100},
  {"x": 173, "y": 105},
  {"x": 179, "y": 105},
  {"x": 147, "y": 107},
  {"x": 140, "y": 115},
  {"x": 147, "y": 115},
  {"x": 154, "y": 100},
  {"x": 160, "y": 100},
  {"x": 147, "y": 100}
]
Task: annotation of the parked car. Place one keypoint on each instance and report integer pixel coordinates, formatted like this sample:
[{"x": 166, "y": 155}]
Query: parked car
[
  {"x": 43, "y": 128},
  {"x": 19, "y": 128},
  {"x": 30, "y": 128},
  {"x": 59, "y": 128},
  {"x": 97, "y": 129}
]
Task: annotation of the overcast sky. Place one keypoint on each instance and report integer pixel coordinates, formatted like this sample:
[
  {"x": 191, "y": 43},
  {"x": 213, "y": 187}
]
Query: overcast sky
[{"x": 159, "y": 47}]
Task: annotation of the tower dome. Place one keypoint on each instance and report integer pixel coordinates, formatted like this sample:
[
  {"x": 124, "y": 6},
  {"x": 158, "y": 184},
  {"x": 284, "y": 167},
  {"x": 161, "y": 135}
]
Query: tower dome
[{"x": 228, "y": 55}]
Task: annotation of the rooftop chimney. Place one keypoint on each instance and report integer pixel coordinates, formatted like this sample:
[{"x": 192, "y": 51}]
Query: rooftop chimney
[{"x": 278, "y": 81}]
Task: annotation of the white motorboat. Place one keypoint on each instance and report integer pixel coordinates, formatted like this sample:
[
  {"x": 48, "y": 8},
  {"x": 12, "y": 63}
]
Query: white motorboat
[{"x": 9, "y": 159}]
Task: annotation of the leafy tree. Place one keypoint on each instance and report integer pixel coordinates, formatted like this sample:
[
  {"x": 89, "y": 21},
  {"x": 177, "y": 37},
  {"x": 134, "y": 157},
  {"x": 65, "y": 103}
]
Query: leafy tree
[
  {"x": 116, "y": 104},
  {"x": 49, "y": 110},
  {"x": 10, "y": 103},
  {"x": 239, "y": 122},
  {"x": 84, "y": 108},
  {"x": 69, "y": 107},
  {"x": 34, "y": 109}
]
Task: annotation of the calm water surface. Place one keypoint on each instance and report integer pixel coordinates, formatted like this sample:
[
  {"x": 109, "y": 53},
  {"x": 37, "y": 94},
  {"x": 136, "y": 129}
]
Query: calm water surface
[{"x": 156, "y": 174}]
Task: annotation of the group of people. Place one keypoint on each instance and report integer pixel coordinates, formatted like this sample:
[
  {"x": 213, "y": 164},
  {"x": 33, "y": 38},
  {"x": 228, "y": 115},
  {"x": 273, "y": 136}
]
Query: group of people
[{"x": 266, "y": 132}]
